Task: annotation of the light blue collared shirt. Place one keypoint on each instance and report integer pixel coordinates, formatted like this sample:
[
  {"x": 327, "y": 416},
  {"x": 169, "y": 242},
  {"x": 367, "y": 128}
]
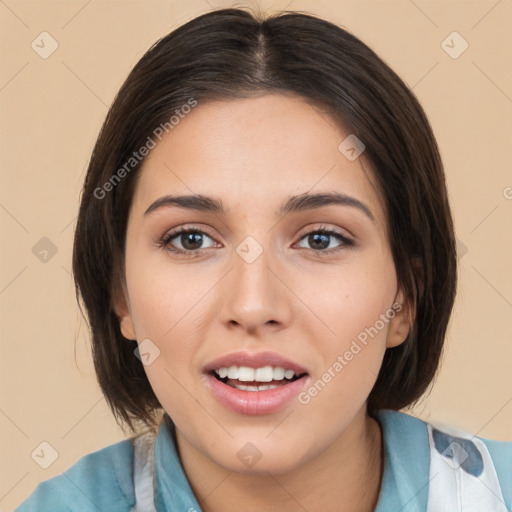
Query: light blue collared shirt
[{"x": 103, "y": 481}]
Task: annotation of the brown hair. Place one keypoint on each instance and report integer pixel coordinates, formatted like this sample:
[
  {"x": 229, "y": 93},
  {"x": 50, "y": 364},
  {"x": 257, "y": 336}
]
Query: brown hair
[{"x": 231, "y": 53}]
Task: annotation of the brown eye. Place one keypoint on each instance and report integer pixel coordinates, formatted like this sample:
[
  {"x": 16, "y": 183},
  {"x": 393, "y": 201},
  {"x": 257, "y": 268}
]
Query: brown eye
[{"x": 186, "y": 240}]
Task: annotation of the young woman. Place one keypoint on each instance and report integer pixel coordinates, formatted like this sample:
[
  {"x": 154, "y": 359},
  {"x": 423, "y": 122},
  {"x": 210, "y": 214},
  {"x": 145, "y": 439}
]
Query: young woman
[{"x": 266, "y": 255}]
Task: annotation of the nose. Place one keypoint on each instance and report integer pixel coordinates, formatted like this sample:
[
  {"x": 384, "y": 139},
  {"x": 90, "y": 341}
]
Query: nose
[{"x": 255, "y": 296}]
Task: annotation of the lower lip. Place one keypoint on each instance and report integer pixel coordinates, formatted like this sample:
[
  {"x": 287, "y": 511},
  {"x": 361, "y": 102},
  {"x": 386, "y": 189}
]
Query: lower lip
[{"x": 255, "y": 403}]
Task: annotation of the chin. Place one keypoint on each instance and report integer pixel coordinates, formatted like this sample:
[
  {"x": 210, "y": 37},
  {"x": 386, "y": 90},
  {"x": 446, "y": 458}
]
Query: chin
[{"x": 254, "y": 458}]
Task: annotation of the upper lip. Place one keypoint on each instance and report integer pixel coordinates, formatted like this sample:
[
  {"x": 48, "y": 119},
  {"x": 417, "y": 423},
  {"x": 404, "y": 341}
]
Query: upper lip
[{"x": 254, "y": 360}]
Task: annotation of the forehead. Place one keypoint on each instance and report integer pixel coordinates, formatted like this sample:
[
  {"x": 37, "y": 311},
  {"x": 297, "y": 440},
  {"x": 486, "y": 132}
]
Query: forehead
[{"x": 255, "y": 152}]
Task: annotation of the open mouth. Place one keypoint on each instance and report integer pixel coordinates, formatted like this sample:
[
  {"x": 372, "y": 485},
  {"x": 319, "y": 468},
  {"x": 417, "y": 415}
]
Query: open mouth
[
  {"x": 255, "y": 385},
  {"x": 255, "y": 379}
]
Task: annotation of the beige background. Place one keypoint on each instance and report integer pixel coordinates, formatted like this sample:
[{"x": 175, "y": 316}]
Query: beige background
[{"x": 51, "y": 111}]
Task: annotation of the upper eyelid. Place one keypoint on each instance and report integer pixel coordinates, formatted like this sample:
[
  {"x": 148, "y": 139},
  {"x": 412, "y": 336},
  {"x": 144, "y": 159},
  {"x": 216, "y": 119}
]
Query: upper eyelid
[
  {"x": 178, "y": 231},
  {"x": 331, "y": 230}
]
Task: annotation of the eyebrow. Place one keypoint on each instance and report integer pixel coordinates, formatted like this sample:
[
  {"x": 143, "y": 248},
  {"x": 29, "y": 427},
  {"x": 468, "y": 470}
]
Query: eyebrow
[{"x": 294, "y": 204}]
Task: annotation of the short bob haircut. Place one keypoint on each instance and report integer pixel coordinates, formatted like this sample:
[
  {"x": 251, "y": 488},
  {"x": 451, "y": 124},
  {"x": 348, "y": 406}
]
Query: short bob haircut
[{"x": 232, "y": 53}]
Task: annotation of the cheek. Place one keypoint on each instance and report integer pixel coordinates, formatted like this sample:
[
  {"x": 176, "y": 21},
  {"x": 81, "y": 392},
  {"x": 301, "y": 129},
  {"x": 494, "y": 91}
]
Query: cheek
[
  {"x": 162, "y": 296},
  {"x": 352, "y": 299},
  {"x": 170, "y": 307},
  {"x": 354, "y": 307}
]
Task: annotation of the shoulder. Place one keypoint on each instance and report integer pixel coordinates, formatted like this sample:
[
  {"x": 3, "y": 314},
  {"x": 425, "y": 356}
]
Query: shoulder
[
  {"x": 501, "y": 455},
  {"x": 407, "y": 428},
  {"x": 102, "y": 480},
  {"x": 448, "y": 450}
]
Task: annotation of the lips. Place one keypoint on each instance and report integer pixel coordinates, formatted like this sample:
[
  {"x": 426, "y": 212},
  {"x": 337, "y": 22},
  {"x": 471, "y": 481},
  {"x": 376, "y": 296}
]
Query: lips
[{"x": 242, "y": 392}]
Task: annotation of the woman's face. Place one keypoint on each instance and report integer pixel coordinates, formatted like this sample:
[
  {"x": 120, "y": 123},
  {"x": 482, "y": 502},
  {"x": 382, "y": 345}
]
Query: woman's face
[{"x": 263, "y": 282}]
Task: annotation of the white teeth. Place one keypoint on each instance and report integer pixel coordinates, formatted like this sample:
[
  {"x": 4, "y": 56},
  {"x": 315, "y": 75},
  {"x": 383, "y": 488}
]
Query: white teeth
[
  {"x": 289, "y": 374},
  {"x": 246, "y": 388},
  {"x": 278, "y": 373},
  {"x": 263, "y": 374},
  {"x": 246, "y": 374},
  {"x": 233, "y": 372},
  {"x": 255, "y": 388}
]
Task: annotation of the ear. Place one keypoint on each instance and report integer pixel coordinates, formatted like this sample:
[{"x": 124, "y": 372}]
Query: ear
[
  {"x": 402, "y": 321},
  {"x": 122, "y": 310}
]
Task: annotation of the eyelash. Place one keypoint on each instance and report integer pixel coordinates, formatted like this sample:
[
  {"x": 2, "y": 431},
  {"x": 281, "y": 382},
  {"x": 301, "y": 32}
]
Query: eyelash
[{"x": 164, "y": 243}]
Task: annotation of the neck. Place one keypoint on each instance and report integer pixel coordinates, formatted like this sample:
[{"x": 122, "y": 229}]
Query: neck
[{"x": 347, "y": 473}]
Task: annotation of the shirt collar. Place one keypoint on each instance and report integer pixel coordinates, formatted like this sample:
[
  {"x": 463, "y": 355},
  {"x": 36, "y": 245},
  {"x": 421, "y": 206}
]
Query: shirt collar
[
  {"x": 172, "y": 488},
  {"x": 405, "y": 480}
]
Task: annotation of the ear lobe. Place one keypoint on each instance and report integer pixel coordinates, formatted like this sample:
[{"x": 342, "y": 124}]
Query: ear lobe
[
  {"x": 126, "y": 326},
  {"x": 401, "y": 324},
  {"x": 405, "y": 313},
  {"x": 123, "y": 314}
]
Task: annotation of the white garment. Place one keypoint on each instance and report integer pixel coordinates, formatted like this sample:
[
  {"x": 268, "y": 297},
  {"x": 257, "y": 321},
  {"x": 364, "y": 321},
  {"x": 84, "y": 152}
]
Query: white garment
[
  {"x": 462, "y": 475},
  {"x": 144, "y": 473}
]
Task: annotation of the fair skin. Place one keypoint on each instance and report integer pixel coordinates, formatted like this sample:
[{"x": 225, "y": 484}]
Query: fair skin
[{"x": 295, "y": 298}]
